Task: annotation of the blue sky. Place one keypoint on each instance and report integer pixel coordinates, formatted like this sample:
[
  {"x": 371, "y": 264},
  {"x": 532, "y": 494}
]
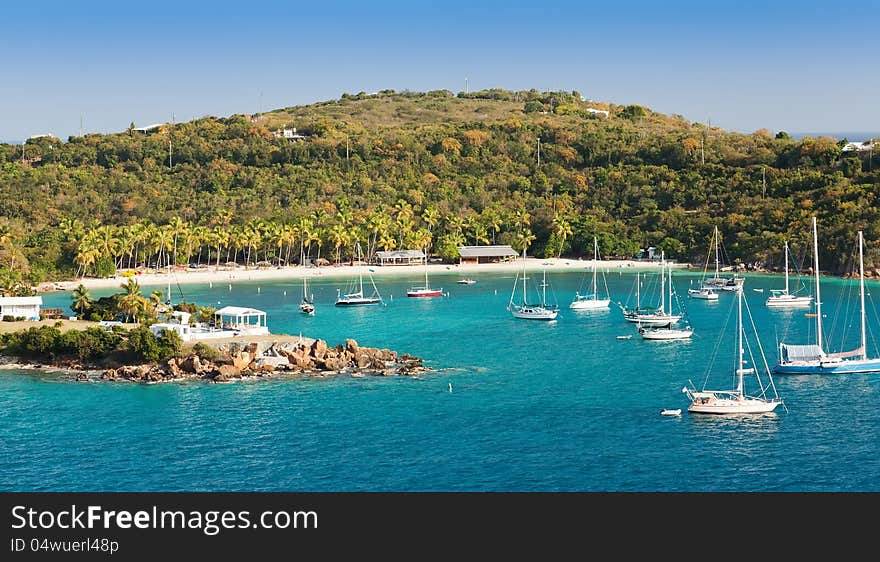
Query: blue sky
[{"x": 744, "y": 65}]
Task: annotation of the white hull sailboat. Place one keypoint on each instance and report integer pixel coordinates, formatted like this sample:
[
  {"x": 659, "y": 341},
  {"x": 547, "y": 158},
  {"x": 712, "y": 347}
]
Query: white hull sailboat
[
  {"x": 526, "y": 311},
  {"x": 591, "y": 301},
  {"x": 716, "y": 282},
  {"x": 736, "y": 401},
  {"x": 812, "y": 359},
  {"x": 651, "y": 316},
  {"x": 307, "y": 306},
  {"x": 425, "y": 291},
  {"x": 784, "y": 298},
  {"x": 703, "y": 293},
  {"x": 670, "y": 331},
  {"x": 358, "y": 298}
]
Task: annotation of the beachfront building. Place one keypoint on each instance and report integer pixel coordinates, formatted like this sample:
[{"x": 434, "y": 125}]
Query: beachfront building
[
  {"x": 400, "y": 257},
  {"x": 485, "y": 254},
  {"x": 230, "y": 321},
  {"x": 21, "y": 307}
]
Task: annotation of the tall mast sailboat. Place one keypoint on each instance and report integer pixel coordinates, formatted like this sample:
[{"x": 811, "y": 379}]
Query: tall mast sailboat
[
  {"x": 307, "y": 306},
  {"x": 669, "y": 331},
  {"x": 358, "y": 298},
  {"x": 425, "y": 290},
  {"x": 736, "y": 401},
  {"x": 523, "y": 309},
  {"x": 592, "y": 301},
  {"x": 784, "y": 298},
  {"x": 811, "y": 359},
  {"x": 734, "y": 283},
  {"x": 652, "y": 316}
]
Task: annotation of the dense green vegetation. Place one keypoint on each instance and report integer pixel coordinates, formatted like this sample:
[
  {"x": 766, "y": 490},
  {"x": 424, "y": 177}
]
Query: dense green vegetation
[
  {"x": 92, "y": 344},
  {"x": 393, "y": 170}
]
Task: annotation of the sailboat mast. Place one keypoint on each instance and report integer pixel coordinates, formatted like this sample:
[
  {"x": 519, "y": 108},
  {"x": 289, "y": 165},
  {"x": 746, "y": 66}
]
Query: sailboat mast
[
  {"x": 638, "y": 304},
  {"x": 818, "y": 298},
  {"x": 544, "y": 289},
  {"x": 595, "y": 257},
  {"x": 739, "y": 343},
  {"x": 524, "y": 276},
  {"x": 862, "y": 294},
  {"x": 670, "y": 289},
  {"x": 716, "y": 252},
  {"x": 786, "y": 267},
  {"x": 663, "y": 284},
  {"x": 426, "y": 268}
]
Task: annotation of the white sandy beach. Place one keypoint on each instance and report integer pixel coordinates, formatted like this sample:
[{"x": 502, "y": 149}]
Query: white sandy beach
[{"x": 227, "y": 275}]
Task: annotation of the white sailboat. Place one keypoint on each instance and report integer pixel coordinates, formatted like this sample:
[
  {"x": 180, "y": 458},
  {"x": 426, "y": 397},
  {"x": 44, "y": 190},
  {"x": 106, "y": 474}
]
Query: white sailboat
[
  {"x": 358, "y": 298},
  {"x": 651, "y": 316},
  {"x": 307, "y": 306},
  {"x": 592, "y": 301},
  {"x": 669, "y": 331},
  {"x": 527, "y": 311},
  {"x": 736, "y": 401},
  {"x": 785, "y": 299},
  {"x": 717, "y": 282},
  {"x": 812, "y": 359},
  {"x": 424, "y": 290}
]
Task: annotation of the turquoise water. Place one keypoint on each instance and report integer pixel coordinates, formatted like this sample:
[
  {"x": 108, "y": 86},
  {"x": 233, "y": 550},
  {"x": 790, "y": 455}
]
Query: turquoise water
[{"x": 534, "y": 406}]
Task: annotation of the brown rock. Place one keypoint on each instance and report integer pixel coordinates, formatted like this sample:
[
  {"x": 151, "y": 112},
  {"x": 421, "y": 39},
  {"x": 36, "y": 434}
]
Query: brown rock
[
  {"x": 227, "y": 372},
  {"x": 352, "y": 346},
  {"x": 173, "y": 369},
  {"x": 319, "y": 349},
  {"x": 191, "y": 364}
]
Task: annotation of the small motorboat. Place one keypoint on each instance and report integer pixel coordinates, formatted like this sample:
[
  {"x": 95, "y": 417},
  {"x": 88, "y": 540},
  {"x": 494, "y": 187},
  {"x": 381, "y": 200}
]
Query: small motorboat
[
  {"x": 758, "y": 290},
  {"x": 629, "y": 337},
  {"x": 668, "y": 412},
  {"x": 467, "y": 281}
]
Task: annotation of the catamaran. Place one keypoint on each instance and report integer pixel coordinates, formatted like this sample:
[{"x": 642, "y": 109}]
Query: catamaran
[
  {"x": 307, "y": 306},
  {"x": 812, "y": 359},
  {"x": 783, "y": 298},
  {"x": 736, "y": 401},
  {"x": 651, "y": 316},
  {"x": 527, "y": 311},
  {"x": 669, "y": 331},
  {"x": 717, "y": 282},
  {"x": 592, "y": 301},
  {"x": 425, "y": 290},
  {"x": 357, "y": 298}
]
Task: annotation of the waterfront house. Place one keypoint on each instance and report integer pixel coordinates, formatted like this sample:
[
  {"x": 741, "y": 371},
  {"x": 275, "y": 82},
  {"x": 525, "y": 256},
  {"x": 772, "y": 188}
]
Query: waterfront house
[
  {"x": 21, "y": 307},
  {"x": 400, "y": 257},
  {"x": 485, "y": 254}
]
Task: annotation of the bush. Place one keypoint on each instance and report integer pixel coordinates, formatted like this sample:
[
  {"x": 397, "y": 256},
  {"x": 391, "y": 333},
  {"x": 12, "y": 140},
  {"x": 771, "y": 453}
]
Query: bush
[
  {"x": 206, "y": 352},
  {"x": 8, "y": 318},
  {"x": 144, "y": 345}
]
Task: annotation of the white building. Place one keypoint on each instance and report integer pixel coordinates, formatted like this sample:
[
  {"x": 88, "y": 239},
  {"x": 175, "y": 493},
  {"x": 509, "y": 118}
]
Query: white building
[
  {"x": 286, "y": 133},
  {"x": 858, "y": 146},
  {"x": 597, "y": 111},
  {"x": 229, "y": 321},
  {"x": 21, "y": 307}
]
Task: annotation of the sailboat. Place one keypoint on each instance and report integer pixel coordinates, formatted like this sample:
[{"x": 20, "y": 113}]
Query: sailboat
[
  {"x": 736, "y": 401},
  {"x": 784, "y": 299},
  {"x": 812, "y": 359},
  {"x": 591, "y": 301},
  {"x": 527, "y": 311},
  {"x": 651, "y": 316},
  {"x": 426, "y": 290},
  {"x": 307, "y": 306},
  {"x": 717, "y": 282},
  {"x": 358, "y": 298},
  {"x": 667, "y": 332}
]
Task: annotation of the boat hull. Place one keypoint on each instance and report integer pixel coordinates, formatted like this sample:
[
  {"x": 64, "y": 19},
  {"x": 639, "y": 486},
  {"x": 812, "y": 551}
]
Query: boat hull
[
  {"x": 652, "y": 320},
  {"x": 844, "y": 367},
  {"x": 357, "y": 302},
  {"x": 592, "y": 304},
  {"x": 539, "y": 314},
  {"x": 423, "y": 293},
  {"x": 727, "y": 406},
  {"x": 666, "y": 335},
  {"x": 788, "y": 302},
  {"x": 703, "y": 295}
]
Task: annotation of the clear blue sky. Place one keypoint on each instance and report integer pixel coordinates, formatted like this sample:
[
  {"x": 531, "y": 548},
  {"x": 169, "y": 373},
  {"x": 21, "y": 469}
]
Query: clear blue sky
[{"x": 744, "y": 65}]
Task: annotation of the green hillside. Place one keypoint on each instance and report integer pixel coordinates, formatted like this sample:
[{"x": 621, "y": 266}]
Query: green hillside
[{"x": 391, "y": 170}]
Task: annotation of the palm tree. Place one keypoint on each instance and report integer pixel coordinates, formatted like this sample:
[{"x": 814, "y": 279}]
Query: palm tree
[
  {"x": 562, "y": 229},
  {"x": 132, "y": 302},
  {"x": 524, "y": 239},
  {"x": 82, "y": 300},
  {"x": 339, "y": 237}
]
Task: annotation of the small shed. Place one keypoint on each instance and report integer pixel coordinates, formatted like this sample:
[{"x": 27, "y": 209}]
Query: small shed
[
  {"x": 21, "y": 307},
  {"x": 485, "y": 254},
  {"x": 401, "y": 257}
]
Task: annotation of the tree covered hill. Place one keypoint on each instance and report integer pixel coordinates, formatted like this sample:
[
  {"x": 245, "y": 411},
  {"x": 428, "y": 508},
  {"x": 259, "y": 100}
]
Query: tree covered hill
[{"x": 404, "y": 169}]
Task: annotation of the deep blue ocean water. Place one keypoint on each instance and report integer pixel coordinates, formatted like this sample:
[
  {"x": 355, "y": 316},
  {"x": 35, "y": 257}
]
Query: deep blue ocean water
[{"x": 534, "y": 406}]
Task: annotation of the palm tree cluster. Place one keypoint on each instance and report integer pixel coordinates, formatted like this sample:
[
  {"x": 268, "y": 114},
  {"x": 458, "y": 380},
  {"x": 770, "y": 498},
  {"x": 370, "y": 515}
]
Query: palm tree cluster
[{"x": 222, "y": 241}]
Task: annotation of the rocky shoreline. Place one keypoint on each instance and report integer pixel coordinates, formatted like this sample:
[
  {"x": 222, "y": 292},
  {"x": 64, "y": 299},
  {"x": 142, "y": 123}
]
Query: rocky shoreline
[{"x": 245, "y": 360}]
